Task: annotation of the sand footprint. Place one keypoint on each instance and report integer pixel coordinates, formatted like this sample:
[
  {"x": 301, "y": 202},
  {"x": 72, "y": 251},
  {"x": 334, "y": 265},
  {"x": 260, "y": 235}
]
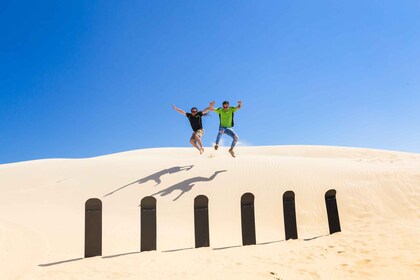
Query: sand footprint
[
  {"x": 275, "y": 276},
  {"x": 364, "y": 262}
]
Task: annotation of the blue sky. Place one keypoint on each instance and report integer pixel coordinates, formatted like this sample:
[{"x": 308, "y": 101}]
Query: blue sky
[{"x": 88, "y": 78}]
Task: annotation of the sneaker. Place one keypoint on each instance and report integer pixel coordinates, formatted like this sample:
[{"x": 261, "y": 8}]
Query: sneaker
[
  {"x": 216, "y": 147},
  {"x": 232, "y": 152}
]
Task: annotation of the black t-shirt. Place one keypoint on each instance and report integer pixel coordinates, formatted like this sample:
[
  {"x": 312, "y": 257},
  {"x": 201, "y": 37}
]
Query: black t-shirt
[{"x": 195, "y": 121}]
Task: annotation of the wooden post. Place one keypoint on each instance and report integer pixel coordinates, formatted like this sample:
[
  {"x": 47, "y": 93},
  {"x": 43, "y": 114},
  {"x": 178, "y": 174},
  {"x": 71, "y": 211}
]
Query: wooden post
[
  {"x": 248, "y": 219},
  {"x": 201, "y": 221},
  {"x": 332, "y": 211},
  {"x": 148, "y": 224},
  {"x": 93, "y": 228},
  {"x": 289, "y": 213}
]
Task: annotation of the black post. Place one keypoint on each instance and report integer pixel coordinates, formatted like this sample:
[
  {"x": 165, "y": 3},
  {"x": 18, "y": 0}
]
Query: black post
[
  {"x": 93, "y": 228},
  {"x": 332, "y": 211},
  {"x": 289, "y": 212},
  {"x": 201, "y": 221},
  {"x": 148, "y": 224},
  {"x": 248, "y": 219}
]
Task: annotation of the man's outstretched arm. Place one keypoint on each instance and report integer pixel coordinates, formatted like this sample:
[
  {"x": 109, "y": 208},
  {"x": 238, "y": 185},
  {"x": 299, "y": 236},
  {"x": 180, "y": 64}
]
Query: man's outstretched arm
[
  {"x": 178, "y": 110},
  {"x": 205, "y": 111},
  {"x": 211, "y": 107},
  {"x": 239, "y": 105}
]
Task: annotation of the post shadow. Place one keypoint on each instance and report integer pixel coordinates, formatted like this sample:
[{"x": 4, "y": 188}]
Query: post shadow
[
  {"x": 93, "y": 228},
  {"x": 154, "y": 177},
  {"x": 289, "y": 213},
  {"x": 248, "y": 219},
  {"x": 201, "y": 221},
  {"x": 59, "y": 262},
  {"x": 148, "y": 224},
  {"x": 186, "y": 185},
  {"x": 332, "y": 211}
]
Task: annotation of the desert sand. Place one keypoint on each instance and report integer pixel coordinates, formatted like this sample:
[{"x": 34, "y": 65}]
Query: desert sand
[{"x": 378, "y": 194}]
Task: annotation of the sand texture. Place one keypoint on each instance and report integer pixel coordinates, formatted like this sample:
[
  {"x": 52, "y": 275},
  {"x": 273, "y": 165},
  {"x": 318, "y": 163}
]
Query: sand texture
[{"x": 42, "y": 214}]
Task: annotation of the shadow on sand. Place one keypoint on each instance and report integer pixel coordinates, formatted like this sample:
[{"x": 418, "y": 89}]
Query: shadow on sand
[
  {"x": 154, "y": 177},
  {"x": 186, "y": 185},
  {"x": 176, "y": 250},
  {"x": 60, "y": 262},
  {"x": 313, "y": 238},
  {"x": 120, "y": 255}
]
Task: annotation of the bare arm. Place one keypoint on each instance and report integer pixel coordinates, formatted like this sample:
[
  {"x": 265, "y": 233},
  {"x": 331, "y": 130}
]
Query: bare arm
[
  {"x": 178, "y": 110},
  {"x": 205, "y": 111},
  {"x": 239, "y": 105},
  {"x": 211, "y": 107}
]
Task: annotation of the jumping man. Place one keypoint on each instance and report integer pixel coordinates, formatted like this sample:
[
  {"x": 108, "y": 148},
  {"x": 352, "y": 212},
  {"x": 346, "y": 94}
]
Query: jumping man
[
  {"x": 196, "y": 124},
  {"x": 226, "y": 114}
]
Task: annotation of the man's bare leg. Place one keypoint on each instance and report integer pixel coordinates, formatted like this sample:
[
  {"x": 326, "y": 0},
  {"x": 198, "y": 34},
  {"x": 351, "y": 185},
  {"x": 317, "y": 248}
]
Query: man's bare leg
[
  {"x": 193, "y": 142},
  {"x": 200, "y": 144}
]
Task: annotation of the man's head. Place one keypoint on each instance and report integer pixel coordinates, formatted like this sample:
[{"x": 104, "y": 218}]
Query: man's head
[
  {"x": 225, "y": 105},
  {"x": 194, "y": 110}
]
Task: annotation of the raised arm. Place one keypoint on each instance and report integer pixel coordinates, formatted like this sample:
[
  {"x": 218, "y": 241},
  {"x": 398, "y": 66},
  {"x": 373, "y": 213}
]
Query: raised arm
[
  {"x": 239, "y": 105},
  {"x": 205, "y": 111},
  {"x": 178, "y": 110},
  {"x": 211, "y": 107}
]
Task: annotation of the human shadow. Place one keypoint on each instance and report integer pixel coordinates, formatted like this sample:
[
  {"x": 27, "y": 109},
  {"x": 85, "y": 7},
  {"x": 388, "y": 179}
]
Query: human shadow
[
  {"x": 154, "y": 177},
  {"x": 187, "y": 185}
]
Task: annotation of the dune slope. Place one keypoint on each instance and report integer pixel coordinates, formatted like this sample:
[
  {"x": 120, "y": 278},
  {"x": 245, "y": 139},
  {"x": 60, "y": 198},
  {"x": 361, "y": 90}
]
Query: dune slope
[{"x": 378, "y": 194}]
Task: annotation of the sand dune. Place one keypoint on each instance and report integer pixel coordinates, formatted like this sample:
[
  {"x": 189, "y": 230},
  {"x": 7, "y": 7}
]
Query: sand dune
[{"x": 378, "y": 194}]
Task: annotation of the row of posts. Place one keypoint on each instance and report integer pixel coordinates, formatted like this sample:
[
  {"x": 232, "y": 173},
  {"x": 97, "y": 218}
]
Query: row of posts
[{"x": 93, "y": 221}]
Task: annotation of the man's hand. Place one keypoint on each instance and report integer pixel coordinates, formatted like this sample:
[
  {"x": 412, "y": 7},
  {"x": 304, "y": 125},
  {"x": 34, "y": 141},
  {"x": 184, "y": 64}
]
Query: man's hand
[
  {"x": 173, "y": 106},
  {"x": 239, "y": 104},
  {"x": 211, "y": 107}
]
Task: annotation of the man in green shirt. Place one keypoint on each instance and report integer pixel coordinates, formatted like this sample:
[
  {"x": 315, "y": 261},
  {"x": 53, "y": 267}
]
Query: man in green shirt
[{"x": 226, "y": 115}]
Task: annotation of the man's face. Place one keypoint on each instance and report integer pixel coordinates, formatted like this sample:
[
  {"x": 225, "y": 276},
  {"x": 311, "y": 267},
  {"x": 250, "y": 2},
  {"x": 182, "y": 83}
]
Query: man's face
[
  {"x": 193, "y": 112},
  {"x": 225, "y": 106}
]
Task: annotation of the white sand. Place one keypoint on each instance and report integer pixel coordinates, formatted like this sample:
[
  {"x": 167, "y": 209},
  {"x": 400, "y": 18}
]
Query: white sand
[{"x": 378, "y": 195}]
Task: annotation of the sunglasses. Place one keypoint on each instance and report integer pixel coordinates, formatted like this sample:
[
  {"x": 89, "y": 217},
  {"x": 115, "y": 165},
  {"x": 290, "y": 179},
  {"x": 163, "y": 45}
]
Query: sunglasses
[{"x": 194, "y": 111}]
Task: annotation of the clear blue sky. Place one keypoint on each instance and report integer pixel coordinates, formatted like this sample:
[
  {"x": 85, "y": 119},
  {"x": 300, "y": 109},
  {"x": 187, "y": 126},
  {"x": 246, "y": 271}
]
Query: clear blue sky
[{"x": 87, "y": 78}]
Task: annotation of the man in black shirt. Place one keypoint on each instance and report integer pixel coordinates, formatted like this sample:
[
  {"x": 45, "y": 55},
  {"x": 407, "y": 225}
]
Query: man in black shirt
[{"x": 196, "y": 124}]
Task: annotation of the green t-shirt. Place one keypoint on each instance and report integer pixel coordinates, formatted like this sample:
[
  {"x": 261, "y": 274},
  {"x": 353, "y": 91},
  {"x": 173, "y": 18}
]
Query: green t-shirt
[{"x": 226, "y": 117}]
